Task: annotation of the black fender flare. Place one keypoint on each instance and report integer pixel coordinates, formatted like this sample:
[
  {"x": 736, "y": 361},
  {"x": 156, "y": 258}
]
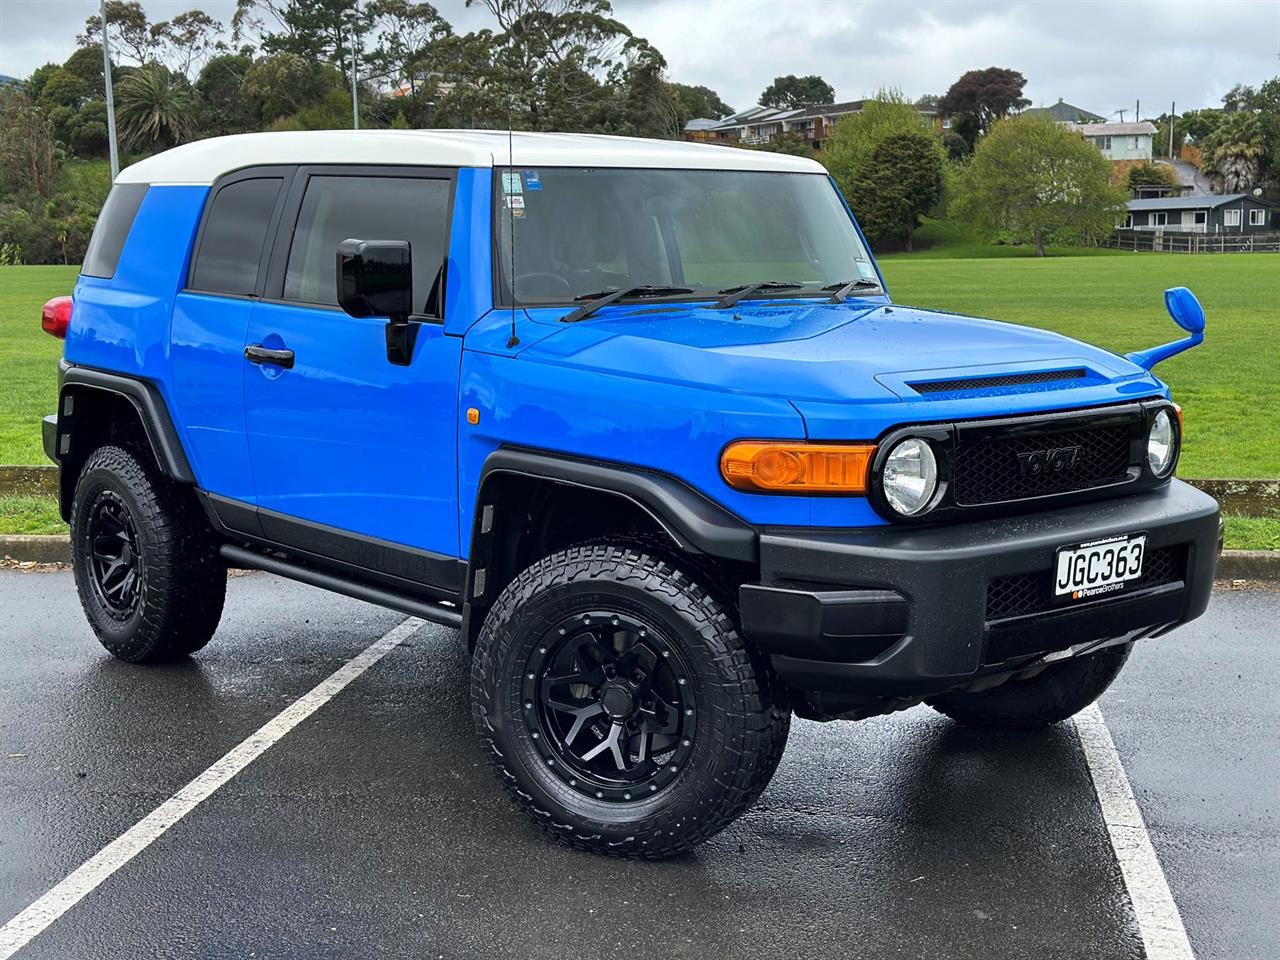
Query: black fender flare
[
  {"x": 78, "y": 385},
  {"x": 694, "y": 521}
]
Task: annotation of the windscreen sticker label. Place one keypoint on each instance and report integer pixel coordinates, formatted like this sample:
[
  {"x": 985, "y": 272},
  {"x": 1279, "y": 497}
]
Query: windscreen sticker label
[
  {"x": 865, "y": 270},
  {"x": 511, "y": 183},
  {"x": 516, "y": 202},
  {"x": 532, "y": 180}
]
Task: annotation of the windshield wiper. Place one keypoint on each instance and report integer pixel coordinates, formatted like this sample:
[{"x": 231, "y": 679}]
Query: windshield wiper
[
  {"x": 605, "y": 297},
  {"x": 844, "y": 290},
  {"x": 732, "y": 295}
]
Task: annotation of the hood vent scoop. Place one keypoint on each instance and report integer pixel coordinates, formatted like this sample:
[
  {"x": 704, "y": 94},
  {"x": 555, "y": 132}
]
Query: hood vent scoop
[{"x": 971, "y": 385}]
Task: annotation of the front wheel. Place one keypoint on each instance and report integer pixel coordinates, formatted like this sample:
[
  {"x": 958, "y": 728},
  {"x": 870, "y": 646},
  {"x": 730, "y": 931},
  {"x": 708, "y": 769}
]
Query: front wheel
[
  {"x": 621, "y": 706},
  {"x": 1057, "y": 692}
]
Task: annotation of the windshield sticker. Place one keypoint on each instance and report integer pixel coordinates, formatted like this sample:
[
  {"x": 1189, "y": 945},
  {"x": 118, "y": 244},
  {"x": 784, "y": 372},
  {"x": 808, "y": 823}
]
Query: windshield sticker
[
  {"x": 865, "y": 271},
  {"x": 516, "y": 202},
  {"x": 532, "y": 180},
  {"x": 511, "y": 183}
]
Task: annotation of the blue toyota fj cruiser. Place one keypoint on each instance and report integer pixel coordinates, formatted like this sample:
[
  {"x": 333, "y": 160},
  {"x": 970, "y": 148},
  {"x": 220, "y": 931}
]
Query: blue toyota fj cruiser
[{"x": 641, "y": 420}]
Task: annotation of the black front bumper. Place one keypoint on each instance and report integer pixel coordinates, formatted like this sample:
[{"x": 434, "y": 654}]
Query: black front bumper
[{"x": 896, "y": 612}]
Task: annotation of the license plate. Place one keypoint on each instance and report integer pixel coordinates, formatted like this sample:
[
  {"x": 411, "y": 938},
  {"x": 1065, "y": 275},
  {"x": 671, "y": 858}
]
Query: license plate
[{"x": 1088, "y": 570}]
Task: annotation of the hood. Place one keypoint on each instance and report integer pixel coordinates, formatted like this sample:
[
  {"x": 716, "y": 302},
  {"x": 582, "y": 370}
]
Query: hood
[{"x": 857, "y": 352}]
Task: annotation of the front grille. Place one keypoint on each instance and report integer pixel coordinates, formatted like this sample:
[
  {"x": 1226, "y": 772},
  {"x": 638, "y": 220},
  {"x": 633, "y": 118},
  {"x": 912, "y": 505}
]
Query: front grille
[
  {"x": 1027, "y": 593},
  {"x": 989, "y": 469},
  {"x": 989, "y": 383}
]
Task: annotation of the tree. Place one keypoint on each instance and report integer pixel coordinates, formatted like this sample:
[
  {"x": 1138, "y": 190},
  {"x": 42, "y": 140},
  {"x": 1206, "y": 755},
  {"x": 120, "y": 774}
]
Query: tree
[
  {"x": 1040, "y": 182},
  {"x": 285, "y": 83},
  {"x": 699, "y": 102},
  {"x": 222, "y": 105},
  {"x": 29, "y": 159},
  {"x": 980, "y": 98},
  {"x": 854, "y": 137},
  {"x": 154, "y": 108},
  {"x": 791, "y": 92},
  {"x": 188, "y": 40},
  {"x": 63, "y": 89},
  {"x": 131, "y": 32},
  {"x": 649, "y": 108},
  {"x": 900, "y": 181},
  {"x": 1233, "y": 152}
]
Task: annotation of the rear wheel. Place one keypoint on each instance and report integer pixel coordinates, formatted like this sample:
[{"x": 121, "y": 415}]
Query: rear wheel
[
  {"x": 146, "y": 567},
  {"x": 621, "y": 706},
  {"x": 1056, "y": 693}
]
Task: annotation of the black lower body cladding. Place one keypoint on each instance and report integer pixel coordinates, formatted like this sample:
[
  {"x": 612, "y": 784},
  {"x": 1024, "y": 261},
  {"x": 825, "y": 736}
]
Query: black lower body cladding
[{"x": 898, "y": 612}]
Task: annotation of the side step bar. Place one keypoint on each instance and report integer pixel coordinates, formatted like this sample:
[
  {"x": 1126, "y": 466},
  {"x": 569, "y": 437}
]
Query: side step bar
[{"x": 434, "y": 612}]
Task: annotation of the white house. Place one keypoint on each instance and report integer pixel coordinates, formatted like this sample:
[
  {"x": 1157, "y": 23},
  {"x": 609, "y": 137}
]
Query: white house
[{"x": 1120, "y": 141}]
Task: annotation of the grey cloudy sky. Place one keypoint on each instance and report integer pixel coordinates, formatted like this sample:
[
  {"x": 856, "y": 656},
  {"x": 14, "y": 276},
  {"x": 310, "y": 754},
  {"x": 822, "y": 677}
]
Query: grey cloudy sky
[{"x": 1098, "y": 54}]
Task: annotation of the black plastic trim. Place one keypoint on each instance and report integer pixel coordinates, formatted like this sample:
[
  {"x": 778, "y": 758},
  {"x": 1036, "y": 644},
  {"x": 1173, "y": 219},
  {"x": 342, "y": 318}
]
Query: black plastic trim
[
  {"x": 358, "y": 557},
  {"x": 695, "y": 522},
  {"x": 146, "y": 399}
]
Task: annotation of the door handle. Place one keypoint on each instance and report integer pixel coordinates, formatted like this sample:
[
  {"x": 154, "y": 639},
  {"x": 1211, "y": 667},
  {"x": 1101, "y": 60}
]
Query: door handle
[{"x": 257, "y": 353}]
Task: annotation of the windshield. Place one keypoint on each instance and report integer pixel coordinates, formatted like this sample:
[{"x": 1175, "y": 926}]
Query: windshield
[{"x": 578, "y": 232}]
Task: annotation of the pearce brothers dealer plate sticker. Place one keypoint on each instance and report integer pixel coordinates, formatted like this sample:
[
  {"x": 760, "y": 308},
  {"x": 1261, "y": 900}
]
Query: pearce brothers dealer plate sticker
[{"x": 1099, "y": 567}]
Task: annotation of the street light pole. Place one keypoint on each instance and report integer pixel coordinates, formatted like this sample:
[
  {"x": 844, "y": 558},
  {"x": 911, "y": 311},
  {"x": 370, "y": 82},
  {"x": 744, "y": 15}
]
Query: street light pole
[
  {"x": 355, "y": 96},
  {"x": 111, "y": 103}
]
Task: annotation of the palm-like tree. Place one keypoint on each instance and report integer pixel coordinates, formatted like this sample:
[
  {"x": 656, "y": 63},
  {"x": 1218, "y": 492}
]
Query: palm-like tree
[
  {"x": 154, "y": 108},
  {"x": 1233, "y": 151}
]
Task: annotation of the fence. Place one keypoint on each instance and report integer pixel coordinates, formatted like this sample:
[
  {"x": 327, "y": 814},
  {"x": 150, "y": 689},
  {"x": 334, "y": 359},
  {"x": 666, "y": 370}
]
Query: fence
[{"x": 1160, "y": 242}]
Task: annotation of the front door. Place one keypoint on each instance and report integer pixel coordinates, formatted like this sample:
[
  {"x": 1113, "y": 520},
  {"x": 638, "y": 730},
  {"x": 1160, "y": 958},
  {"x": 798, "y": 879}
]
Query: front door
[{"x": 348, "y": 449}]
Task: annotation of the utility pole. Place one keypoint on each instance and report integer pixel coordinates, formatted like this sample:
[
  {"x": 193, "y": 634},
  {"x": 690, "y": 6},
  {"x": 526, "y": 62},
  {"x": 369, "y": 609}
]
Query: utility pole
[
  {"x": 111, "y": 103},
  {"x": 355, "y": 82},
  {"x": 1173, "y": 122}
]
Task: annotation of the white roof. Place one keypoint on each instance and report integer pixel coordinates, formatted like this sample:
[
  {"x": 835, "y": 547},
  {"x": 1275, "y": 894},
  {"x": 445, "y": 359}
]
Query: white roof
[
  {"x": 203, "y": 161},
  {"x": 1113, "y": 129}
]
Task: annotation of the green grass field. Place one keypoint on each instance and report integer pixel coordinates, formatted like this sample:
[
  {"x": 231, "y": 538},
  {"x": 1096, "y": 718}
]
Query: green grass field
[{"x": 28, "y": 358}]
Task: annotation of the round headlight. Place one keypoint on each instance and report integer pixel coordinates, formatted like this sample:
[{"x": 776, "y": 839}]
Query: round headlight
[
  {"x": 1162, "y": 444},
  {"x": 910, "y": 477}
]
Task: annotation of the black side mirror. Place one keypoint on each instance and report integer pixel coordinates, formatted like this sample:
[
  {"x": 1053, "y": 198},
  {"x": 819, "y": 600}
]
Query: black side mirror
[{"x": 375, "y": 279}]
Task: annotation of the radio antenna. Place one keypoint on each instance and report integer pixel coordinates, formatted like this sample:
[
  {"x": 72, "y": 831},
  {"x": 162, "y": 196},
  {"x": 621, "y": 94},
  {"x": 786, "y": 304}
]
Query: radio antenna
[{"x": 508, "y": 182}]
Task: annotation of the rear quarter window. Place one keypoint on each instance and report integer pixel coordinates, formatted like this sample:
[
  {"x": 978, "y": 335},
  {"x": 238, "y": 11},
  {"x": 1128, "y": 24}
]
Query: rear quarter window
[
  {"x": 112, "y": 229},
  {"x": 235, "y": 230}
]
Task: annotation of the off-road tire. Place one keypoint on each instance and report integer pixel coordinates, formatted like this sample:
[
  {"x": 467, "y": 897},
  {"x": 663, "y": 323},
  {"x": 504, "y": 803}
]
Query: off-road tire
[
  {"x": 1051, "y": 696},
  {"x": 181, "y": 582},
  {"x": 744, "y": 718}
]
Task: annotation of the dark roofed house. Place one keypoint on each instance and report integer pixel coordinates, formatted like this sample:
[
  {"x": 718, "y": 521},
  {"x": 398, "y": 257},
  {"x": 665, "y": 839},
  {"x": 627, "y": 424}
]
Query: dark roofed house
[
  {"x": 1065, "y": 112},
  {"x": 1236, "y": 213},
  {"x": 759, "y": 125}
]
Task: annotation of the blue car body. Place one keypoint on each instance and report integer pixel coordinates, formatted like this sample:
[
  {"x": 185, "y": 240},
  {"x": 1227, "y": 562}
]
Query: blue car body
[{"x": 393, "y": 458}]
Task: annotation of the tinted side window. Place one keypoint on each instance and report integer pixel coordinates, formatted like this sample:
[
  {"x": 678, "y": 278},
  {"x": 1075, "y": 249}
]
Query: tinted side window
[
  {"x": 112, "y": 229},
  {"x": 367, "y": 208},
  {"x": 233, "y": 235}
]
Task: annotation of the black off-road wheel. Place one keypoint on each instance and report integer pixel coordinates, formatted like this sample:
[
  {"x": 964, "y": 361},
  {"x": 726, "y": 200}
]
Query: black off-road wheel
[
  {"x": 1051, "y": 696},
  {"x": 146, "y": 566},
  {"x": 620, "y": 705}
]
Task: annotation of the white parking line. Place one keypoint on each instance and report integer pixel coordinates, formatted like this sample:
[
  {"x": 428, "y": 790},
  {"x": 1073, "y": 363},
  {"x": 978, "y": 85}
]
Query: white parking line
[
  {"x": 1159, "y": 921},
  {"x": 82, "y": 881}
]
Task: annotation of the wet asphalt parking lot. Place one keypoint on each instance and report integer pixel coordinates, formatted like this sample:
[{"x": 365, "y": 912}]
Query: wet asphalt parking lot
[{"x": 376, "y": 828}]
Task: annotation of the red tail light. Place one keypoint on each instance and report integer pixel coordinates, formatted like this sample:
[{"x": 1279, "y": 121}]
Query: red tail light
[{"x": 55, "y": 317}]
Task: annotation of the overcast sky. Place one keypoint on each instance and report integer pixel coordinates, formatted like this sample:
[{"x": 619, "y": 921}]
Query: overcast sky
[{"x": 1098, "y": 54}]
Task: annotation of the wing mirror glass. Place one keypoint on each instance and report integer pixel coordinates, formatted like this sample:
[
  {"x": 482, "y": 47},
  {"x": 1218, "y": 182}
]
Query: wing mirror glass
[{"x": 375, "y": 279}]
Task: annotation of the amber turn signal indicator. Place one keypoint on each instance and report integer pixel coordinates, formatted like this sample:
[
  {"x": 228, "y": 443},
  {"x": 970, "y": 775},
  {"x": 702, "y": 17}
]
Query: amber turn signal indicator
[{"x": 772, "y": 466}]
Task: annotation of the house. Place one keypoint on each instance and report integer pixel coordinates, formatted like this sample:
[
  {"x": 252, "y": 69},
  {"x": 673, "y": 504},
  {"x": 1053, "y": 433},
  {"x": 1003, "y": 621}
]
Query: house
[
  {"x": 1119, "y": 141},
  {"x": 1064, "y": 112},
  {"x": 758, "y": 124},
  {"x": 1236, "y": 213}
]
